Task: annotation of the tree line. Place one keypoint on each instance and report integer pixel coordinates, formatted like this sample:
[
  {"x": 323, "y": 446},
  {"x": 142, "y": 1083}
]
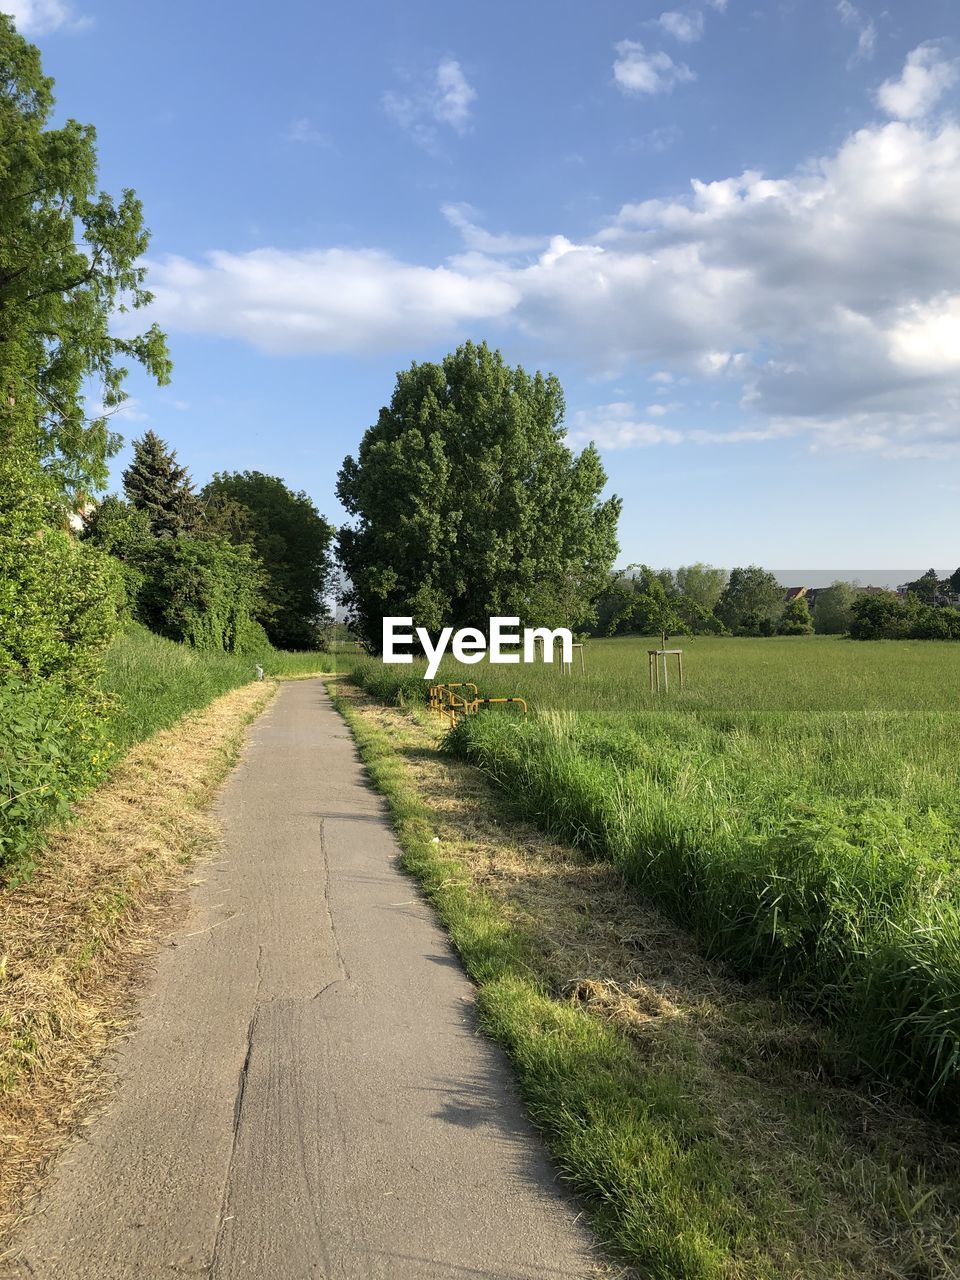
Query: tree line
[
  {"x": 703, "y": 599},
  {"x": 241, "y": 565}
]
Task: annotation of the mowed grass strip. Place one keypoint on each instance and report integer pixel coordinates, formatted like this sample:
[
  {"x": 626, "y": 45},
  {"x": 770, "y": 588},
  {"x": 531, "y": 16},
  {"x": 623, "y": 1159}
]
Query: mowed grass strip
[
  {"x": 73, "y": 939},
  {"x": 711, "y": 1131}
]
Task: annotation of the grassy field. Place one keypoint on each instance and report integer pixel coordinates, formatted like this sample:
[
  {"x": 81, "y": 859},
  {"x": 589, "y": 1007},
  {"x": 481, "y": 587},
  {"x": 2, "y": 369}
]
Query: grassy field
[{"x": 797, "y": 807}]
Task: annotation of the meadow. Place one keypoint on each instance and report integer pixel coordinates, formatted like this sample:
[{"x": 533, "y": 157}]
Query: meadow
[{"x": 797, "y": 807}]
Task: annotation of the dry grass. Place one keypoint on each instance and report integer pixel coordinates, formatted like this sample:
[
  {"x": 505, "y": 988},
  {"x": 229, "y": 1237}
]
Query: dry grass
[
  {"x": 840, "y": 1180},
  {"x": 73, "y": 941}
]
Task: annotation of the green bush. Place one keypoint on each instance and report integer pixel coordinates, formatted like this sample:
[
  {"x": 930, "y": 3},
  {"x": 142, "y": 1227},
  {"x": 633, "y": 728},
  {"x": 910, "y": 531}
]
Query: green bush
[
  {"x": 891, "y": 617},
  {"x": 202, "y": 591},
  {"x": 59, "y": 599},
  {"x": 53, "y": 748}
]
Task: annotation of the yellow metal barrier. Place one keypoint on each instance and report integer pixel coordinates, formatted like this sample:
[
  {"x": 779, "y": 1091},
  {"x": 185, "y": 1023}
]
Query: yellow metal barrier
[{"x": 449, "y": 704}]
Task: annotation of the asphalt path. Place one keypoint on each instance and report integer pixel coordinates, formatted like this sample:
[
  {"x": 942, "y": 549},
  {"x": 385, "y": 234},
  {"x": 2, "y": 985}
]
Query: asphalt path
[{"x": 306, "y": 1093}]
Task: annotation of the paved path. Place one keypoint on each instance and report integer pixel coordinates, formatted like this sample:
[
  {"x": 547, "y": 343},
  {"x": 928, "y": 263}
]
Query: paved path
[{"x": 306, "y": 1095}]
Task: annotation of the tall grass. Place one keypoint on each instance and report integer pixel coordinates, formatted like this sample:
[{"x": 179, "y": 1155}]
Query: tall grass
[
  {"x": 797, "y": 807},
  {"x": 152, "y": 682}
]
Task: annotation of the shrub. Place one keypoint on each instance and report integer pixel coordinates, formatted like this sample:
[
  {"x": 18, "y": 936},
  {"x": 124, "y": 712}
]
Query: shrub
[
  {"x": 202, "y": 591},
  {"x": 53, "y": 747}
]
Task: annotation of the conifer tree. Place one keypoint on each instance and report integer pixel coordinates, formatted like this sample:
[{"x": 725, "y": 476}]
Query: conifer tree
[{"x": 156, "y": 484}]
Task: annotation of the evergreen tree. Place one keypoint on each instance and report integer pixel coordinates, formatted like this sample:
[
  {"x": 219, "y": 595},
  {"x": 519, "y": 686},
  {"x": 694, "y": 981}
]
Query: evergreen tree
[{"x": 156, "y": 484}]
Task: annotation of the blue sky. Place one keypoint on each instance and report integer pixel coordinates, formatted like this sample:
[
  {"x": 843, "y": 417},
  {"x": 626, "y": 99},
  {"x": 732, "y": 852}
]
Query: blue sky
[{"x": 731, "y": 228}]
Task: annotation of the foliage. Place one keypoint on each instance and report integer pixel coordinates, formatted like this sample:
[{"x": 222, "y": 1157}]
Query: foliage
[
  {"x": 53, "y": 747},
  {"x": 796, "y": 619},
  {"x": 752, "y": 602},
  {"x": 150, "y": 682},
  {"x": 69, "y": 256},
  {"x": 203, "y": 591},
  {"x": 292, "y": 541},
  {"x": 701, "y": 585},
  {"x": 638, "y": 601},
  {"x": 468, "y": 503},
  {"x": 833, "y": 609},
  {"x": 157, "y": 486},
  {"x": 59, "y": 599},
  {"x": 886, "y": 616},
  {"x": 925, "y": 587}
]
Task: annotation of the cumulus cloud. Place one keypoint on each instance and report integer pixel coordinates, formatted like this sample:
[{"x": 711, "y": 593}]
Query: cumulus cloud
[
  {"x": 446, "y": 99},
  {"x": 324, "y": 300},
  {"x": 686, "y": 27},
  {"x": 826, "y": 301},
  {"x": 637, "y": 71},
  {"x": 39, "y": 17},
  {"x": 865, "y": 29},
  {"x": 926, "y": 77}
]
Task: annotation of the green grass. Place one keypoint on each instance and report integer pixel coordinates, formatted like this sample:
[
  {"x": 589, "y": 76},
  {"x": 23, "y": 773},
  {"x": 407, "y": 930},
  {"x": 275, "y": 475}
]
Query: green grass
[
  {"x": 152, "y": 682},
  {"x": 659, "y": 1135},
  {"x": 797, "y": 807}
]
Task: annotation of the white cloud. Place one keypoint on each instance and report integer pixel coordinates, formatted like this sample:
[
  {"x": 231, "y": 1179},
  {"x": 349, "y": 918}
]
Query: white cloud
[
  {"x": 927, "y": 337},
  {"x": 618, "y": 426},
  {"x": 454, "y": 95},
  {"x": 324, "y": 300},
  {"x": 446, "y": 99},
  {"x": 39, "y": 17},
  {"x": 621, "y": 426},
  {"x": 462, "y": 216},
  {"x": 686, "y": 27},
  {"x": 826, "y": 300},
  {"x": 927, "y": 75},
  {"x": 865, "y": 28},
  {"x": 637, "y": 71},
  {"x": 128, "y": 410},
  {"x": 303, "y": 130}
]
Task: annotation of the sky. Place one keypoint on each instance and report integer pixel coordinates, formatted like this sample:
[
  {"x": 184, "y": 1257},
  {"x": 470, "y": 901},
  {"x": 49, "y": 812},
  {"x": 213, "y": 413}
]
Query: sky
[{"x": 731, "y": 228}]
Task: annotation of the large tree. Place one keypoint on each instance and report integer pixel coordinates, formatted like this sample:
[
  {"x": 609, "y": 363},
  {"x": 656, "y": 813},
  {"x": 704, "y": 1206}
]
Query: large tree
[
  {"x": 752, "y": 602},
  {"x": 701, "y": 584},
  {"x": 292, "y": 540},
  {"x": 70, "y": 256},
  {"x": 833, "y": 609},
  {"x": 468, "y": 503}
]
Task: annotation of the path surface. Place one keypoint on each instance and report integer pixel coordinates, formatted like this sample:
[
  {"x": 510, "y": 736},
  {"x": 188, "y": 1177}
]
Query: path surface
[{"x": 306, "y": 1095}]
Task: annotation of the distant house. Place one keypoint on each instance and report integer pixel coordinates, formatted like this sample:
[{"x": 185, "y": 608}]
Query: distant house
[
  {"x": 805, "y": 593},
  {"x": 76, "y": 520}
]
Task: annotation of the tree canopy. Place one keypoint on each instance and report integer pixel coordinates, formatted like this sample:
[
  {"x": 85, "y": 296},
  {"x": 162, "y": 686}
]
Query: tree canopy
[
  {"x": 70, "y": 259},
  {"x": 468, "y": 504},
  {"x": 752, "y": 601},
  {"x": 291, "y": 539},
  {"x": 157, "y": 485}
]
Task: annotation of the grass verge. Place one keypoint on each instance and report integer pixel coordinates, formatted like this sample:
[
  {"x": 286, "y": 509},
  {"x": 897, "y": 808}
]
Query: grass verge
[
  {"x": 711, "y": 1131},
  {"x": 151, "y": 682},
  {"x": 72, "y": 940}
]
